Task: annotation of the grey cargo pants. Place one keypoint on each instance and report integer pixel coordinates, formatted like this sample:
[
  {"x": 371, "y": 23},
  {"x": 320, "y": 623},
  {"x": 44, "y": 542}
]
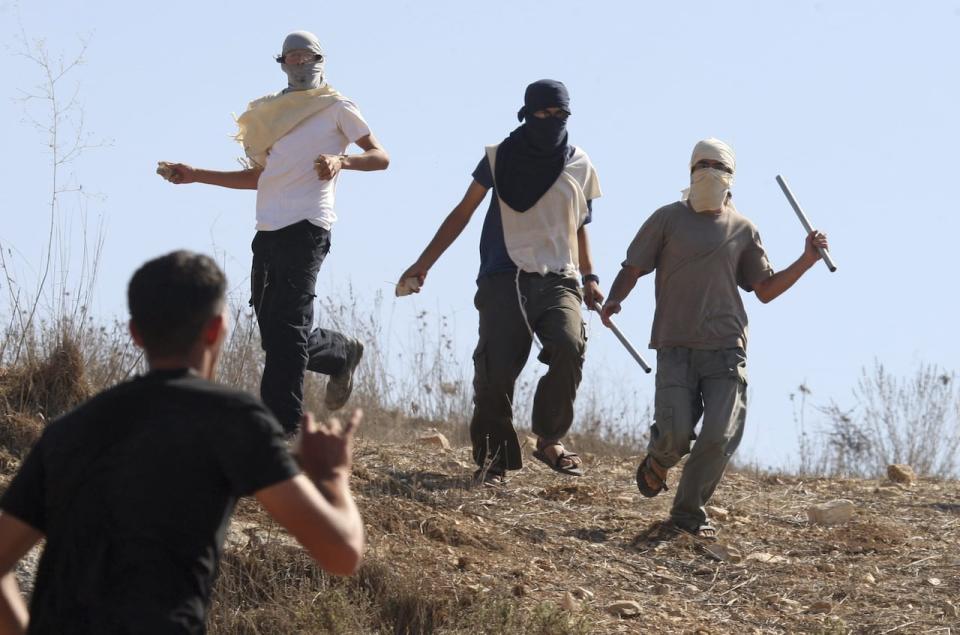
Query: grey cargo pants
[{"x": 691, "y": 383}]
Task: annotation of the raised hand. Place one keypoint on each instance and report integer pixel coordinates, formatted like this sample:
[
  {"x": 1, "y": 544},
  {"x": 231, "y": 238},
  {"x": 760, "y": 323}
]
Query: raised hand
[
  {"x": 325, "y": 448},
  {"x": 811, "y": 248}
]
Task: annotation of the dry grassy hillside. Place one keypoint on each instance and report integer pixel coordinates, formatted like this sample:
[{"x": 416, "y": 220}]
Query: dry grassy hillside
[{"x": 550, "y": 554}]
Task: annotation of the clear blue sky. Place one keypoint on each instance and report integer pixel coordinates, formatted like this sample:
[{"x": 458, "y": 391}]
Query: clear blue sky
[{"x": 854, "y": 102}]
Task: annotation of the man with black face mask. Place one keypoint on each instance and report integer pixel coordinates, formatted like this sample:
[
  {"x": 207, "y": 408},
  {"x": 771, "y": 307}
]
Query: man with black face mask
[
  {"x": 295, "y": 141},
  {"x": 533, "y": 244}
]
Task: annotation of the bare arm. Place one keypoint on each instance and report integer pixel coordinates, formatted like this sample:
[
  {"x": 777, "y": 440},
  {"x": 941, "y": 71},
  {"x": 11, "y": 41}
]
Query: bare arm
[
  {"x": 772, "y": 287},
  {"x": 373, "y": 158},
  {"x": 16, "y": 539},
  {"x": 591, "y": 290},
  {"x": 181, "y": 173},
  {"x": 622, "y": 286},
  {"x": 319, "y": 511},
  {"x": 451, "y": 227},
  {"x": 328, "y": 525}
]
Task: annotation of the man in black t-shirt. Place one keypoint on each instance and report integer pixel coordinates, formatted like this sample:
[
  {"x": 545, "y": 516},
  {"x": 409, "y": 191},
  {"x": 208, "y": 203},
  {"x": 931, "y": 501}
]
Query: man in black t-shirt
[{"x": 134, "y": 489}]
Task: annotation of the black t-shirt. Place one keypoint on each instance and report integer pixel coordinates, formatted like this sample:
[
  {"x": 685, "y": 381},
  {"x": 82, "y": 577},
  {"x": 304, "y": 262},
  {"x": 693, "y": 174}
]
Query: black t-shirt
[{"x": 134, "y": 490}]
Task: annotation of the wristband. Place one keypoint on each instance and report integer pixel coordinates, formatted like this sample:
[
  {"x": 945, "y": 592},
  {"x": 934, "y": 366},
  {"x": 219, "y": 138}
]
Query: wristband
[{"x": 590, "y": 277}]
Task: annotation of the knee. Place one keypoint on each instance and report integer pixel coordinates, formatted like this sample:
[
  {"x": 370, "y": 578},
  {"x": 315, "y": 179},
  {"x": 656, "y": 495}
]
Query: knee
[
  {"x": 667, "y": 444},
  {"x": 566, "y": 351}
]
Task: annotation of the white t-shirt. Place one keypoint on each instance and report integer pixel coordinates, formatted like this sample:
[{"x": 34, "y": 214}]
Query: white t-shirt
[
  {"x": 288, "y": 190},
  {"x": 543, "y": 239}
]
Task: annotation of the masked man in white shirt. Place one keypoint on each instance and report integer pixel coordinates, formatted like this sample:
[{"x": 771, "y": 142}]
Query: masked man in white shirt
[
  {"x": 295, "y": 142},
  {"x": 702, "y": 249}
]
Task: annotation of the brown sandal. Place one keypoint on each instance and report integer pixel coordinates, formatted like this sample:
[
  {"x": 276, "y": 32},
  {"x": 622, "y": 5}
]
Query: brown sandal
[
  {"x": 649, "y": 471},
  {"x": 664, "y": 530},
  {"x": 557, "y": 465}
]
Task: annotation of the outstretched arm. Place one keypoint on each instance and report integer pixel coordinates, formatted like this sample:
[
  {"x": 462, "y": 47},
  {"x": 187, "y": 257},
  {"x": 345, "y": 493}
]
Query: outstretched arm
[
  {"x": 181, "y": 174},
  {"x": 622, "y": 286},
  {"x": 373, "y": 158},
  {"x": 16, "y": 539},
  {"x": 319, "y": 511},
  {"x": 772, "y": 287},
  {"x": 451, "y": 227}
]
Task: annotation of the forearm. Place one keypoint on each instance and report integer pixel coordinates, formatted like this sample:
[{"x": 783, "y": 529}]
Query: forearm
[
  {"x": 344, "y": 521},
  {"x": 369, "y": 161},
  {"x": 623, "y": 284},
  {"x": 322, "y": 516},
  {"x": 236, "y": 180},
  {"x": 782, "y": 280},
  {"x": 583, "y": 249},
  {"x": 13, "y": 610},
  {"x": 452, "y": 226},
  {"x": 336, "y": 491}
]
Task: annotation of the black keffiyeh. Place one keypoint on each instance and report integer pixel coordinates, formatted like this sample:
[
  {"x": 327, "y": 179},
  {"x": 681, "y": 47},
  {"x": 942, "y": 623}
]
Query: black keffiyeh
[{"x": 532, "y": 158}]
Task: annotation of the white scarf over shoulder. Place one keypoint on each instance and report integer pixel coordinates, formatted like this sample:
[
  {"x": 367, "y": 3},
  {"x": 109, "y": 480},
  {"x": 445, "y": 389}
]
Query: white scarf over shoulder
[{"x": 269, "y": 118}]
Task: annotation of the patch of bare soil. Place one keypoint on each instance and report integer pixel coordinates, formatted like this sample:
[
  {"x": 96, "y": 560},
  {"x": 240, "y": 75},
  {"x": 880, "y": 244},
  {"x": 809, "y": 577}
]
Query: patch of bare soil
[{"x": 578, "y": 544}]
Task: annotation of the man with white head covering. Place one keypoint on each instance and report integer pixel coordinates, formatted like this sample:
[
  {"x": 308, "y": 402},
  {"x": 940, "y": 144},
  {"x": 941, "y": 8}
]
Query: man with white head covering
[
  {"x": 295, "y": 142},
  {"x": 702, "y": 249}
]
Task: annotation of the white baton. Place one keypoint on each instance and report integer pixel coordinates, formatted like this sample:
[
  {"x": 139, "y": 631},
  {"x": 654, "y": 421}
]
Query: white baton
[
  {"x": 626, "y": 343},
  {"x": 827, "y": 260}
]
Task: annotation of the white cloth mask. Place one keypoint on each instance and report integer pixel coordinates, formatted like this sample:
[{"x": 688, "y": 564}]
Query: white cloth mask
[{"x": 708, "y": 189}]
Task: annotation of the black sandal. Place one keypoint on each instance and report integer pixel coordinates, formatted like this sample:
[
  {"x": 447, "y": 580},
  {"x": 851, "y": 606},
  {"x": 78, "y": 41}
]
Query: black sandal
[
  {"x": 648, "y": 467},
  {"x": 557, "y": 466}
]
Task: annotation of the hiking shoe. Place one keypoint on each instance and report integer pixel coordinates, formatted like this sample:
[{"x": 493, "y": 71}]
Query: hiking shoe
[{"x": 340, "y": 386}]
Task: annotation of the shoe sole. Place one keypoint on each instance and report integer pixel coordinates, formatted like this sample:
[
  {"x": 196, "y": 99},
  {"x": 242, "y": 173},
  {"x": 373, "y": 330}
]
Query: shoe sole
[{"x": 350, "y": 370}]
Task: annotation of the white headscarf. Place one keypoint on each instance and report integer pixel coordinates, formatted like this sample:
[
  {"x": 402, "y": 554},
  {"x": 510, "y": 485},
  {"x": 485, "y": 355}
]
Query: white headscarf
[{"x": 709, "y": 187}]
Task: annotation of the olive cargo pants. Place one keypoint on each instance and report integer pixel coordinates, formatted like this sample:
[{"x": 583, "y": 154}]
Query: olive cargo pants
[{"x": 552, "y": 305}]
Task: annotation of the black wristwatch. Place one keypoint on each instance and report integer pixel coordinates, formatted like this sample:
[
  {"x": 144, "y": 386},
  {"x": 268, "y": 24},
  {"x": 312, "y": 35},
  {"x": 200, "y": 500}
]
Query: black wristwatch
[{"x": 590, "y": 277}]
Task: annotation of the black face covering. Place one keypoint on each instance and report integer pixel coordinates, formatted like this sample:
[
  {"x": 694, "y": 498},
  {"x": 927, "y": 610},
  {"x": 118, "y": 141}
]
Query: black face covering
[{"x": 531, "y": 159}]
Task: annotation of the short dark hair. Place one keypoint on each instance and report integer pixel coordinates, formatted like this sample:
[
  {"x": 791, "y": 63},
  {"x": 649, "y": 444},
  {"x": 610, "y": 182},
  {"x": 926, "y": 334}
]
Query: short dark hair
[{"x": 172, "y": 297}]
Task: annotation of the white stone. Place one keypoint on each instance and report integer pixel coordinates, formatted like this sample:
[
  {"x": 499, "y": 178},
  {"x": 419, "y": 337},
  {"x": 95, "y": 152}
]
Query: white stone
[
  {"x": 719, "y": 513},
  {"x": 407, "y": 286},
  {"x": 570, "y": 603},
  {"x": 435, "y": 439},
  {"x": 834, "y": 512},
  {"x": 624, "y": 608},
  {"x": 901, "y": 473},
  {"x": 762, "y": 556},
  {"x": 724, "y": 553}
]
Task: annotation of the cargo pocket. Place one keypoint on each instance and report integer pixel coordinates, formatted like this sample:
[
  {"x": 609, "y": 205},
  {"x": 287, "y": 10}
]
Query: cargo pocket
[
  {"x": 735, "y": 360},
  {"x": 673, "y": 365},
  {"x": 661, "y": 432}
]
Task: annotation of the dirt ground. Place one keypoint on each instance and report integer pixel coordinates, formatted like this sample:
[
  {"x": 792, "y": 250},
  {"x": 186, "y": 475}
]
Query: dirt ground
[{"x": 577, "y": 543}]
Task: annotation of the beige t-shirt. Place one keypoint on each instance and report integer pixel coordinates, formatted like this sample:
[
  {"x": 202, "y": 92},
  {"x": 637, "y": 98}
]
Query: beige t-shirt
[{"x": 699, "y": 259}]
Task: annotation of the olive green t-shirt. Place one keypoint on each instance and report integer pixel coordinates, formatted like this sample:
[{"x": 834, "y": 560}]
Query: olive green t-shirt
[{"x": 699, "y": 260}]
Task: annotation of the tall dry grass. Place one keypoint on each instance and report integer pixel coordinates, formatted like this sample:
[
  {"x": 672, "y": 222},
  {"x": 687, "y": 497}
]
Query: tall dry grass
[{"x": 912, "y": 419}]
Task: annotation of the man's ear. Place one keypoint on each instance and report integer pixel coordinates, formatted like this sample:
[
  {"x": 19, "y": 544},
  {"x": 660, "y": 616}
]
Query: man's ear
[
  {"x": 135, "y": 334},
  {"x": 215, "y": 330}
]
